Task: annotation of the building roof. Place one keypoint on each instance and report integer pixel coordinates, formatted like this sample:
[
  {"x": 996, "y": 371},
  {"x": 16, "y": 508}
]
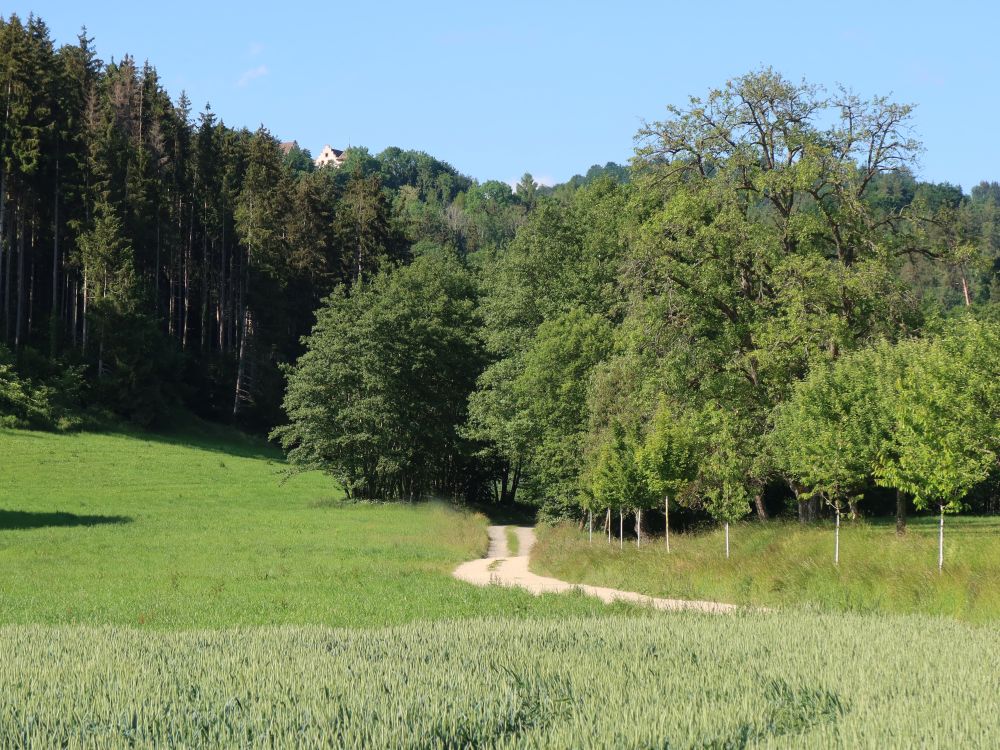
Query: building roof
[{"x": 288, "y": 146}]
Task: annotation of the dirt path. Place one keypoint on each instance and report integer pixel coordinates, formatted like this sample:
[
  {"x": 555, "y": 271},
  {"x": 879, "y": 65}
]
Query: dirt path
[{"x": 498, "y": 567}]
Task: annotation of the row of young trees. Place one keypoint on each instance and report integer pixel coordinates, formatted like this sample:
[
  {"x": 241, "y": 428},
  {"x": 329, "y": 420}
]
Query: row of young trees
[
  {"x": 167, "y": 259},
  {"x": 920, "y": 416}
]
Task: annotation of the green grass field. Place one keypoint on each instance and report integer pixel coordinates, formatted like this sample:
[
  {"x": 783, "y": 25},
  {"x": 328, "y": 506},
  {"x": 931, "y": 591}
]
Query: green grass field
[
  {"x": 786, "y": 564},
  {"x": 197, "y": 530}
]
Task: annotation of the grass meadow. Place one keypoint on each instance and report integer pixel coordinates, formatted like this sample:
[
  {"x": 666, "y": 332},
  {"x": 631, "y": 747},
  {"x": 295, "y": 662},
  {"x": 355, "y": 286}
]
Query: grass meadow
[
  {"x": 786, "y": 564},
  {"x": 196, "y": 531}
]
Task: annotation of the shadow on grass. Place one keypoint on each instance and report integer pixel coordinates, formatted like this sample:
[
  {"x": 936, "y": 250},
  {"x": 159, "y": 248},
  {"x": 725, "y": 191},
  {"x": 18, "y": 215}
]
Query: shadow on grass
[
  {"x": 22, "y": 519},
  {"x": 205, "y": 436}
]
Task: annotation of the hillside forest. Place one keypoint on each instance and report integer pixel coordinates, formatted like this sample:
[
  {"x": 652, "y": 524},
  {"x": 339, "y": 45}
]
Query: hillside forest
[{"x": 765, "y": 313}]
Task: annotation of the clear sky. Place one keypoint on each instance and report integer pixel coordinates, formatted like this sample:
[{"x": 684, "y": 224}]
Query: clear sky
[{"x": 500, "y": 88}]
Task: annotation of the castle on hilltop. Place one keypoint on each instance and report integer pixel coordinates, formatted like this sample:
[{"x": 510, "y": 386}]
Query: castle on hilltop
[{"x": 328, "y": 156}]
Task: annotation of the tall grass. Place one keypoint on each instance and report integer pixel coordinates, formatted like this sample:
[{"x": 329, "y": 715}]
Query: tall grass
[
  {"x": 784, "y": 563},
  {"x": 680, "y": 680}
]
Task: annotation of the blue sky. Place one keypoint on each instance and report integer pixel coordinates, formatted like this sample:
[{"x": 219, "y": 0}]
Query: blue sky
[{"x": 501, "y": 88}]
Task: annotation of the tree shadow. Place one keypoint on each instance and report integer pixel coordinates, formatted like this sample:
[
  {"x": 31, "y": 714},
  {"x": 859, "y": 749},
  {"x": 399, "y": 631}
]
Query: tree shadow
[
  {"x": 23, "y": 519},
  {"x": 507, "y": 515}
]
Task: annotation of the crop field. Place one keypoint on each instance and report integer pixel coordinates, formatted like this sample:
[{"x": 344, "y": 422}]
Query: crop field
[
  {"x": 202, "y": 530},
  {"x": 678, "y": 681},
  {"x": 785, "y": 564}
]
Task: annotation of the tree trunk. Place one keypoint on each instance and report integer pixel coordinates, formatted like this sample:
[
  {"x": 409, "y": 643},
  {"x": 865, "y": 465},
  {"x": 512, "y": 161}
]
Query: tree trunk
[
  {"x": 852, "y": 504},
  {"x": 4, "y": 251},
  {"x": 156, "y": 271},
  {"x": 188, "y": 259},
  {"x": 590, "y": 526},
  {"x": 19, "y": 323},
  {"x": 803, "y": 509},
  {"x": 638, "y": 528},
  {"x": 241, "y": 366},
  {"x": 727, "y": 540},
  {"x": 515, "y": 483},
  {"x": 74, "y": 311},
  {"x": 86, "y": 296},
  {"x": 6, "y": 284},
  {"x": 609, "y": 527},
  {"x": 621, "y": 529},
  {"x": 900, "y": 513},
  {"x": 965, "y": 291},
  {"x": 54, "y": 326},
  {"x": 758, "y": 502}
]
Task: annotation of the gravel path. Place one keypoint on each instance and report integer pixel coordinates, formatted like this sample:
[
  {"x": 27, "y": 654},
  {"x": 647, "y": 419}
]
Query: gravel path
[{"x": 500, "y": 568}]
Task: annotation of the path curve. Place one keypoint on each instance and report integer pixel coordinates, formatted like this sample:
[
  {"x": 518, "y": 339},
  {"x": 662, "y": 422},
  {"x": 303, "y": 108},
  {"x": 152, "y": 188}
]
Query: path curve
[{"x": 501, "y": 568}]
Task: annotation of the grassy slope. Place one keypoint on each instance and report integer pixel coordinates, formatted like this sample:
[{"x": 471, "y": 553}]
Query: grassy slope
[
  {"x": 200, "y": 531},
  {"x": 787, "y": 564}
]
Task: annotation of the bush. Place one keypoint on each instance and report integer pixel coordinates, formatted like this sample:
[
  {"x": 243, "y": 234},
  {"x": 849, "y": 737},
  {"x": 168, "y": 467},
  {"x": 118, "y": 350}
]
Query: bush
[{"x": 50, "y": 404}]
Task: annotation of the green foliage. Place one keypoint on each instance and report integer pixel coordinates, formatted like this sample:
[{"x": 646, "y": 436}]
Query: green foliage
[
  {"x": 727, "y": 471},
  {"x": 828, "y": 436},
  {"x": 547, "y": 303},
  {"x": 379, "y": 396},
  {"x": 51, "y": 403},
  {"x": 616, "y": 480},
  {"x": 944, "y": 415},
  {"x": 552, "y": 386},
  {"x": 671, "y": 454}
]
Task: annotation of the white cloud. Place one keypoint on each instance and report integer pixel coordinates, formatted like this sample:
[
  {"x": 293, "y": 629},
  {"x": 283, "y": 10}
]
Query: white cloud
[
  {"x": 251, "y": 75},
  {"x": 255, "y": 49}
]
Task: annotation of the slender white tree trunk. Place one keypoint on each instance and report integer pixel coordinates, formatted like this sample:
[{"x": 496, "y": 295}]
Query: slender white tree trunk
[
  {"x": 836, "y": 539},
  {"x": 590, "y": 526},
  {"x": 621, "y": 529},
  {"x": 609, "y": 526},
  {"x": 666, "y": 521},
  {"x": 727, "y": 540},
  {"x": 941, "y": 542},
  {"x": 638, "y": 528}
]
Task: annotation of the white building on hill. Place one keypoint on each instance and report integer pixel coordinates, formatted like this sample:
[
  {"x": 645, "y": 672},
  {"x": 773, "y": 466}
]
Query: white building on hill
[{"x": 332, "y": 156}]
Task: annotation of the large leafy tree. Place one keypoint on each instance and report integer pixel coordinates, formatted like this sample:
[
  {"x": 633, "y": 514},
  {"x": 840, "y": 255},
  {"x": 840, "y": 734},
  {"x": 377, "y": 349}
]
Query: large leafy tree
[
  {"x": 380, "y": 395},
  {"x": 760, "y": 253}
]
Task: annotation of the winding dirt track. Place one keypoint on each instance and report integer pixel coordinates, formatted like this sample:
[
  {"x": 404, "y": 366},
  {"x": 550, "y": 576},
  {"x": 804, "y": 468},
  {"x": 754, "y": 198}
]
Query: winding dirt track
[{"x": 501, "y": 568}]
